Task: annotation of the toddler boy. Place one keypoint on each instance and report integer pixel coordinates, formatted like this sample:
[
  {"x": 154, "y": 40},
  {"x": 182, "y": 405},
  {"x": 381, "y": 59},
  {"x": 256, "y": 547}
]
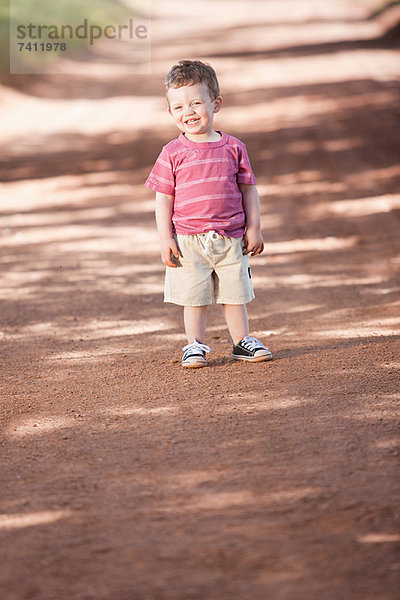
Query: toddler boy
[{"x": 208, "y": 215}]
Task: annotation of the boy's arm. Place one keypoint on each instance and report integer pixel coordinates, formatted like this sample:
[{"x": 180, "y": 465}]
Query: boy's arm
[
  {"x": 253, "y": 238},
  {"x": 164, "y": 205}
]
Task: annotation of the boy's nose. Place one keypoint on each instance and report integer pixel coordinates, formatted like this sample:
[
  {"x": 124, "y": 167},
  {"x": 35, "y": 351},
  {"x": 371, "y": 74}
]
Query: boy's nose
[{"x": 189, "y": 110}]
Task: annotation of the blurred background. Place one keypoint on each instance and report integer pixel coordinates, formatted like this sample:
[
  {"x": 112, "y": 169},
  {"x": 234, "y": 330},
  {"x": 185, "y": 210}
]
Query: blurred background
[{"x": 311, "y": 87}]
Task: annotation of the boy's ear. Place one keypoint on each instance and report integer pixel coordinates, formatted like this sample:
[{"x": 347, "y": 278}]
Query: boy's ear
[
  {"x": 169, "y": 110},
  {"x": 218, "y": 103}
]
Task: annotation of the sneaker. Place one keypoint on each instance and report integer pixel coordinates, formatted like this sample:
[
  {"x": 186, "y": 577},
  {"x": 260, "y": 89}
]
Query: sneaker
[
  {"x": 195, "y": 355},
  {"x": 251, "y": 349}
]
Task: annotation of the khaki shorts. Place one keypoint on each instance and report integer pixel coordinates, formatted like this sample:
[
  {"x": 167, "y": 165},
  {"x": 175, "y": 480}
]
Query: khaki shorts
[{"x": 211, "y": 269}]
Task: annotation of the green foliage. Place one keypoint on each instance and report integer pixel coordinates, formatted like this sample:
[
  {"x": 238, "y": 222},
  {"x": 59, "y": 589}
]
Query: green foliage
[
  {"x": 67, "y": 11},
  {"x": 4, "y": 36},
  {"x": 55, "y": 12}
]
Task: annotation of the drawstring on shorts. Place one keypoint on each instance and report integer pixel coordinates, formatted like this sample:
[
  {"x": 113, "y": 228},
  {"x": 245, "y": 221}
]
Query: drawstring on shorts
[{"x": 211, "y": 236}]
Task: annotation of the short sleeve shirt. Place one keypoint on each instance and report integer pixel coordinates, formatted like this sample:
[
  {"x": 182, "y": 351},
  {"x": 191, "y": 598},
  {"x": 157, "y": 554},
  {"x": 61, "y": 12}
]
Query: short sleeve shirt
[{"x": 203, "y": 178}]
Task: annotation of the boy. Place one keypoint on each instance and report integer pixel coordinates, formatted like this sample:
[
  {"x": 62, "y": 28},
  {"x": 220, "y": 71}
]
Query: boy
[{"x": 208, "y": 215}]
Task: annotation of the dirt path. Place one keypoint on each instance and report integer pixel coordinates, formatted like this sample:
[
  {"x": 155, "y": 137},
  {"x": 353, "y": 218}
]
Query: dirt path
[{"x": 124, "y": 477}]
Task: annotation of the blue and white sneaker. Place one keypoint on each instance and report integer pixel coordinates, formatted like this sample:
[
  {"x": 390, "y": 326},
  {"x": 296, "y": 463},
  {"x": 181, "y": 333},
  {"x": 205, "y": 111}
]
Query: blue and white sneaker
[
  {"x": 251, "y": 349},
  {"x": 195, "y": 355}
]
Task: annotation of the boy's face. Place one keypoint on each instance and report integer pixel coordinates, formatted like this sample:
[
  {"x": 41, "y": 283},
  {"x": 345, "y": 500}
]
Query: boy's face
[{"x": 192, "y": 108}]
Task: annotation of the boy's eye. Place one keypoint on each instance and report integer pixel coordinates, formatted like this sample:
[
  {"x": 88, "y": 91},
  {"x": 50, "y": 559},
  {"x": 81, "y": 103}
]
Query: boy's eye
[
  {"x": 177, "y": 107},
  {"x": 197, "y": 102}
]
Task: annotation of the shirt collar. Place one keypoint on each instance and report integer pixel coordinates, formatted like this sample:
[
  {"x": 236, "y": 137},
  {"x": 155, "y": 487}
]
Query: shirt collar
[{"x": 190, "y": 144}]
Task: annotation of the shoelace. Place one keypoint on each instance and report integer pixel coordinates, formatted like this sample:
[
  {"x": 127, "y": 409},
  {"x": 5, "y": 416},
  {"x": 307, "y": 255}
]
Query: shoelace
[
  {"x": 211, "y": 236},
  {"x": 251, "y": 343},
  {"x": 197, "y": 346}
]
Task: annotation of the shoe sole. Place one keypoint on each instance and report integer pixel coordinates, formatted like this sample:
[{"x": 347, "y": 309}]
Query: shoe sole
[
  {"x": 196, "y": 365},
  {"x": 263, "y": 358}
]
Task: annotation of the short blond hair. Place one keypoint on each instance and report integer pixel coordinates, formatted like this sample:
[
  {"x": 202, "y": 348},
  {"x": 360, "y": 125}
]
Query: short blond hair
[{"x": 188, "y": 72}]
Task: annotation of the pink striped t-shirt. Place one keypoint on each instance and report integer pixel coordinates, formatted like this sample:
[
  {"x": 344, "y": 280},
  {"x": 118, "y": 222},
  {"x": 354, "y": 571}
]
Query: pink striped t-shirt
[{"x": 203, "y": 177}]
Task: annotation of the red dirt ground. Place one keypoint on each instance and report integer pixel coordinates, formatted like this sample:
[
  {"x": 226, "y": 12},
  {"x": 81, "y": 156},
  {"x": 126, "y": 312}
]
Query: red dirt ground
[{"x": 125, "y": 477}]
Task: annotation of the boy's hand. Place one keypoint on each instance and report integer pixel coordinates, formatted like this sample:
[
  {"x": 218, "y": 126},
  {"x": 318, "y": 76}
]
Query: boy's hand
[
  {"x": 253, "y": 241},
  {"x": 169, "y": 246}
]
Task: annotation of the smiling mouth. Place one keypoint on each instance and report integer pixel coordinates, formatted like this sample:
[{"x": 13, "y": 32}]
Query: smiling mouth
[{"x": 191, "y": 121}]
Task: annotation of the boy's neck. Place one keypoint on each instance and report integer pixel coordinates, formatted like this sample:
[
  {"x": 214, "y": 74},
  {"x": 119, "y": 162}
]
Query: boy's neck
[{"x": 212, "y": 136}]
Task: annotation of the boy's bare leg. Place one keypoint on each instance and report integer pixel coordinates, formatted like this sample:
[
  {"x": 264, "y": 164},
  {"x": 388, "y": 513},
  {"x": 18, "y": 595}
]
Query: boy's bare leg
[
  {"x": 236, "y": 320},
  {"x": 195, "y": 319}
]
